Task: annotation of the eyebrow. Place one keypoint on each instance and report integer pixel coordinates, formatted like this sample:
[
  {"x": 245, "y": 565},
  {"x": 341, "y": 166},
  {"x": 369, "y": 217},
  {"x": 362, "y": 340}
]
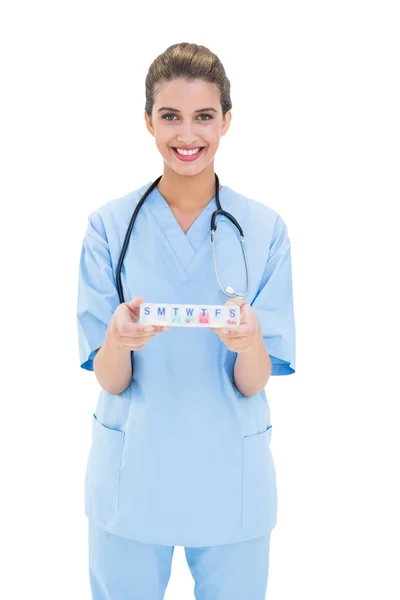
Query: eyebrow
[{"x": 176, "y": 110}]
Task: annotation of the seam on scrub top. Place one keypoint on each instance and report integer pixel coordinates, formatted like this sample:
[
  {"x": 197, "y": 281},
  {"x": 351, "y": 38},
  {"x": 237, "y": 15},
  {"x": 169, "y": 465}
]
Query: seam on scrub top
[
  {"x": 241, "y": 504},
  {"x": 270, "y": 257},
  {"x": 119, "y": 478}
]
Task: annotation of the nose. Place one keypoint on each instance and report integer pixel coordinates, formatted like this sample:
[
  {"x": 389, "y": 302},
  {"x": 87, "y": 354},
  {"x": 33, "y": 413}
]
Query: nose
[{"x": 187, "y": 134}]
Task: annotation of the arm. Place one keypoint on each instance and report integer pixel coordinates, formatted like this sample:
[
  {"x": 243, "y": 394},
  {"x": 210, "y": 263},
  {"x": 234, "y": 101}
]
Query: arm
[
  {"x": 252, "y": 369},
  {"x": 112, "y": 365}
]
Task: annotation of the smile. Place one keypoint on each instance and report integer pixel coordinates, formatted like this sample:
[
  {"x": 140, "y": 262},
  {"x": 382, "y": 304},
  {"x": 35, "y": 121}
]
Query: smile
[{"x": 188, "y": 155}]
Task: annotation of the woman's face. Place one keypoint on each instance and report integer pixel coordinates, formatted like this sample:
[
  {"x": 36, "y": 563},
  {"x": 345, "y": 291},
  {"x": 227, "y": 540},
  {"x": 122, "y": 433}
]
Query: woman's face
[{"x": 188, "y": 124}]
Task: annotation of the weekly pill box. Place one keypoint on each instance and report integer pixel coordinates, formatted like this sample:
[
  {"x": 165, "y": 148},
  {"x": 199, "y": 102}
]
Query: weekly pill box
[{"x": 190, "y": 315}]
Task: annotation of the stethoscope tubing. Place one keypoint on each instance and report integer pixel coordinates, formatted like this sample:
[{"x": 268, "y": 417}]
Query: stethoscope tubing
[{"x": 228, "y": 290}]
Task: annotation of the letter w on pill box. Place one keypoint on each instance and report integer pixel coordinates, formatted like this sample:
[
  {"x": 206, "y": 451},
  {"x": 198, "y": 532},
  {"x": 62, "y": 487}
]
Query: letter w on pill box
[{"x": 190, "y": 315}]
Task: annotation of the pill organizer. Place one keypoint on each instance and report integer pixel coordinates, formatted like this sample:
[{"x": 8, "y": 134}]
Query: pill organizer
[{"x": 190, "y": 315}]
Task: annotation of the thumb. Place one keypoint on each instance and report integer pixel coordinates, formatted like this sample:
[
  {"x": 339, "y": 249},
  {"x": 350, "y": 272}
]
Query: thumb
[
  {"x": 235, "y": 302},
  {"x": 136, "y": 302}
]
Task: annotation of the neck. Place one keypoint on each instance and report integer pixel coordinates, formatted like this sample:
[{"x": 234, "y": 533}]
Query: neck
[{"x": 187, "y": 193}]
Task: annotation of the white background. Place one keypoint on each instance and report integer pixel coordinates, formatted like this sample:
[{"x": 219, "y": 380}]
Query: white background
[{"x": 315, "y": 135}]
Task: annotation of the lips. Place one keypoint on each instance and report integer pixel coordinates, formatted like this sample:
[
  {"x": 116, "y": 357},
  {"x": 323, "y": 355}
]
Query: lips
[
  {"x": 189, "y": 157},
  {"x": 187, "y": 147}
]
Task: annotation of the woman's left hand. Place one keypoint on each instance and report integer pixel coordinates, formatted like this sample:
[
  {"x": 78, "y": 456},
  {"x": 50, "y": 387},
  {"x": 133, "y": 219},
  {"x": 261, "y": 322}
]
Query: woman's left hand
[{"x": 241, "y": 338}]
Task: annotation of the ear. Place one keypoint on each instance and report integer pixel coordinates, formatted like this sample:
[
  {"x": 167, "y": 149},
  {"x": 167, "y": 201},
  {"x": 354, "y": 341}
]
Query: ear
[
  {"x": 149, "y": 124},
  {"x": 226, "y": 122}
]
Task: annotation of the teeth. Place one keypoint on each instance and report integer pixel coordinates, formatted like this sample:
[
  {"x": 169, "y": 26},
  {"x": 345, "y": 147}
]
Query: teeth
[{"x": 187, "y": 152}]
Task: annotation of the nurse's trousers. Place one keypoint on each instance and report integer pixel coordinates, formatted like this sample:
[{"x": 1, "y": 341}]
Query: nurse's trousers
[{"x": 123, "y": 569}]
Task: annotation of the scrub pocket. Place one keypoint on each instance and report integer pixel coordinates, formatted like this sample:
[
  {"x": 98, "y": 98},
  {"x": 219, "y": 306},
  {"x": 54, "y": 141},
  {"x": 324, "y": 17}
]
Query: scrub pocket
[
  {"x": 259, "y": 493},
  {"x": 102, "y": 475}
]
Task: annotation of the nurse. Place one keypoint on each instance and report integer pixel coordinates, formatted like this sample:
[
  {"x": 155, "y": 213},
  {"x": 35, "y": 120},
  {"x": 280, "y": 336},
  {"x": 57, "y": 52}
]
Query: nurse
[{"x": 180, "y": 452}]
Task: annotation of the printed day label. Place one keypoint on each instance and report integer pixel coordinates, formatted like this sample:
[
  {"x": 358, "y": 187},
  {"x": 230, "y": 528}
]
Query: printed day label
[{"x": 190, "y": 315}]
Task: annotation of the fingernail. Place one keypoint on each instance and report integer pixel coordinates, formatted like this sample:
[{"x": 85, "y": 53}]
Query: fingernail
[
  {"x": 224, "y": 330},
  {"x": 149, "y": 328}
]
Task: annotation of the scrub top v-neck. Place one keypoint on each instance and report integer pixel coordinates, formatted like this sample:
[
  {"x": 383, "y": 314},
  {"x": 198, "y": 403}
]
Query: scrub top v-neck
[
  {"x": 181, "y": 456},
  {"x": 185, "y": 245}
]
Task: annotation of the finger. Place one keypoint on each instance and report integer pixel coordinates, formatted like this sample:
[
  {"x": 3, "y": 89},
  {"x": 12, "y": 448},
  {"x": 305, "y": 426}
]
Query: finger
[
  {"x": 236, "y": 301},
  {"x": 126, "y": 341},
  {"x": 238, "y": 332},
  {"x": 218, "y": 331},
  {"x": 221, "y": 331},
  {"x": 135, "y": 330}
]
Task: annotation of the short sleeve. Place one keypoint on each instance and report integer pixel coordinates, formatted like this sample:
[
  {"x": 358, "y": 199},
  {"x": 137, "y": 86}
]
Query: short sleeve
[
  {"x": 274, "y": 303},
  {"x": 97, "y": 291}
]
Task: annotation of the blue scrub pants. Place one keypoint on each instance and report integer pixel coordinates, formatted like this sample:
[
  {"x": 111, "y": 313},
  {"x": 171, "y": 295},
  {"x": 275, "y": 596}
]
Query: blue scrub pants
[{"x": 122, "y": 569}]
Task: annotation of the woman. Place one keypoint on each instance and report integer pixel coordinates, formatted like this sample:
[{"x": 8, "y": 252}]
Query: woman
[{"x": 180, "y": 450}]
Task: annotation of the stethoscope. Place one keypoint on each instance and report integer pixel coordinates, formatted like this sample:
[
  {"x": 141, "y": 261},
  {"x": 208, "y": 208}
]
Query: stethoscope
[{"x": 228, "y": 290}]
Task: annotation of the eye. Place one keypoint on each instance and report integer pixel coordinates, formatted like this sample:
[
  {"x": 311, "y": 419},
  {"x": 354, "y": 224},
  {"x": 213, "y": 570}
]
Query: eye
[{"x": 201, "y": 115}]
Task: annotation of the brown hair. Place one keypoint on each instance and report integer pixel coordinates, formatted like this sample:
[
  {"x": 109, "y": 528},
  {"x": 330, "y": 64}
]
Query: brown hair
[{"x": 189, "y": 61}]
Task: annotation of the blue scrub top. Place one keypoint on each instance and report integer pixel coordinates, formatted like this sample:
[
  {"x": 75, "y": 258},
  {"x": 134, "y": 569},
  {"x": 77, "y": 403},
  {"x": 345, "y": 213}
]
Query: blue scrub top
[{"x": 182, "y": 457}]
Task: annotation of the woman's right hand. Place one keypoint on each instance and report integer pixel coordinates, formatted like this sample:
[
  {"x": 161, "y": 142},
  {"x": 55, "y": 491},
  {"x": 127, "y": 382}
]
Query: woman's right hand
[{"x": 125, "y": 330}]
